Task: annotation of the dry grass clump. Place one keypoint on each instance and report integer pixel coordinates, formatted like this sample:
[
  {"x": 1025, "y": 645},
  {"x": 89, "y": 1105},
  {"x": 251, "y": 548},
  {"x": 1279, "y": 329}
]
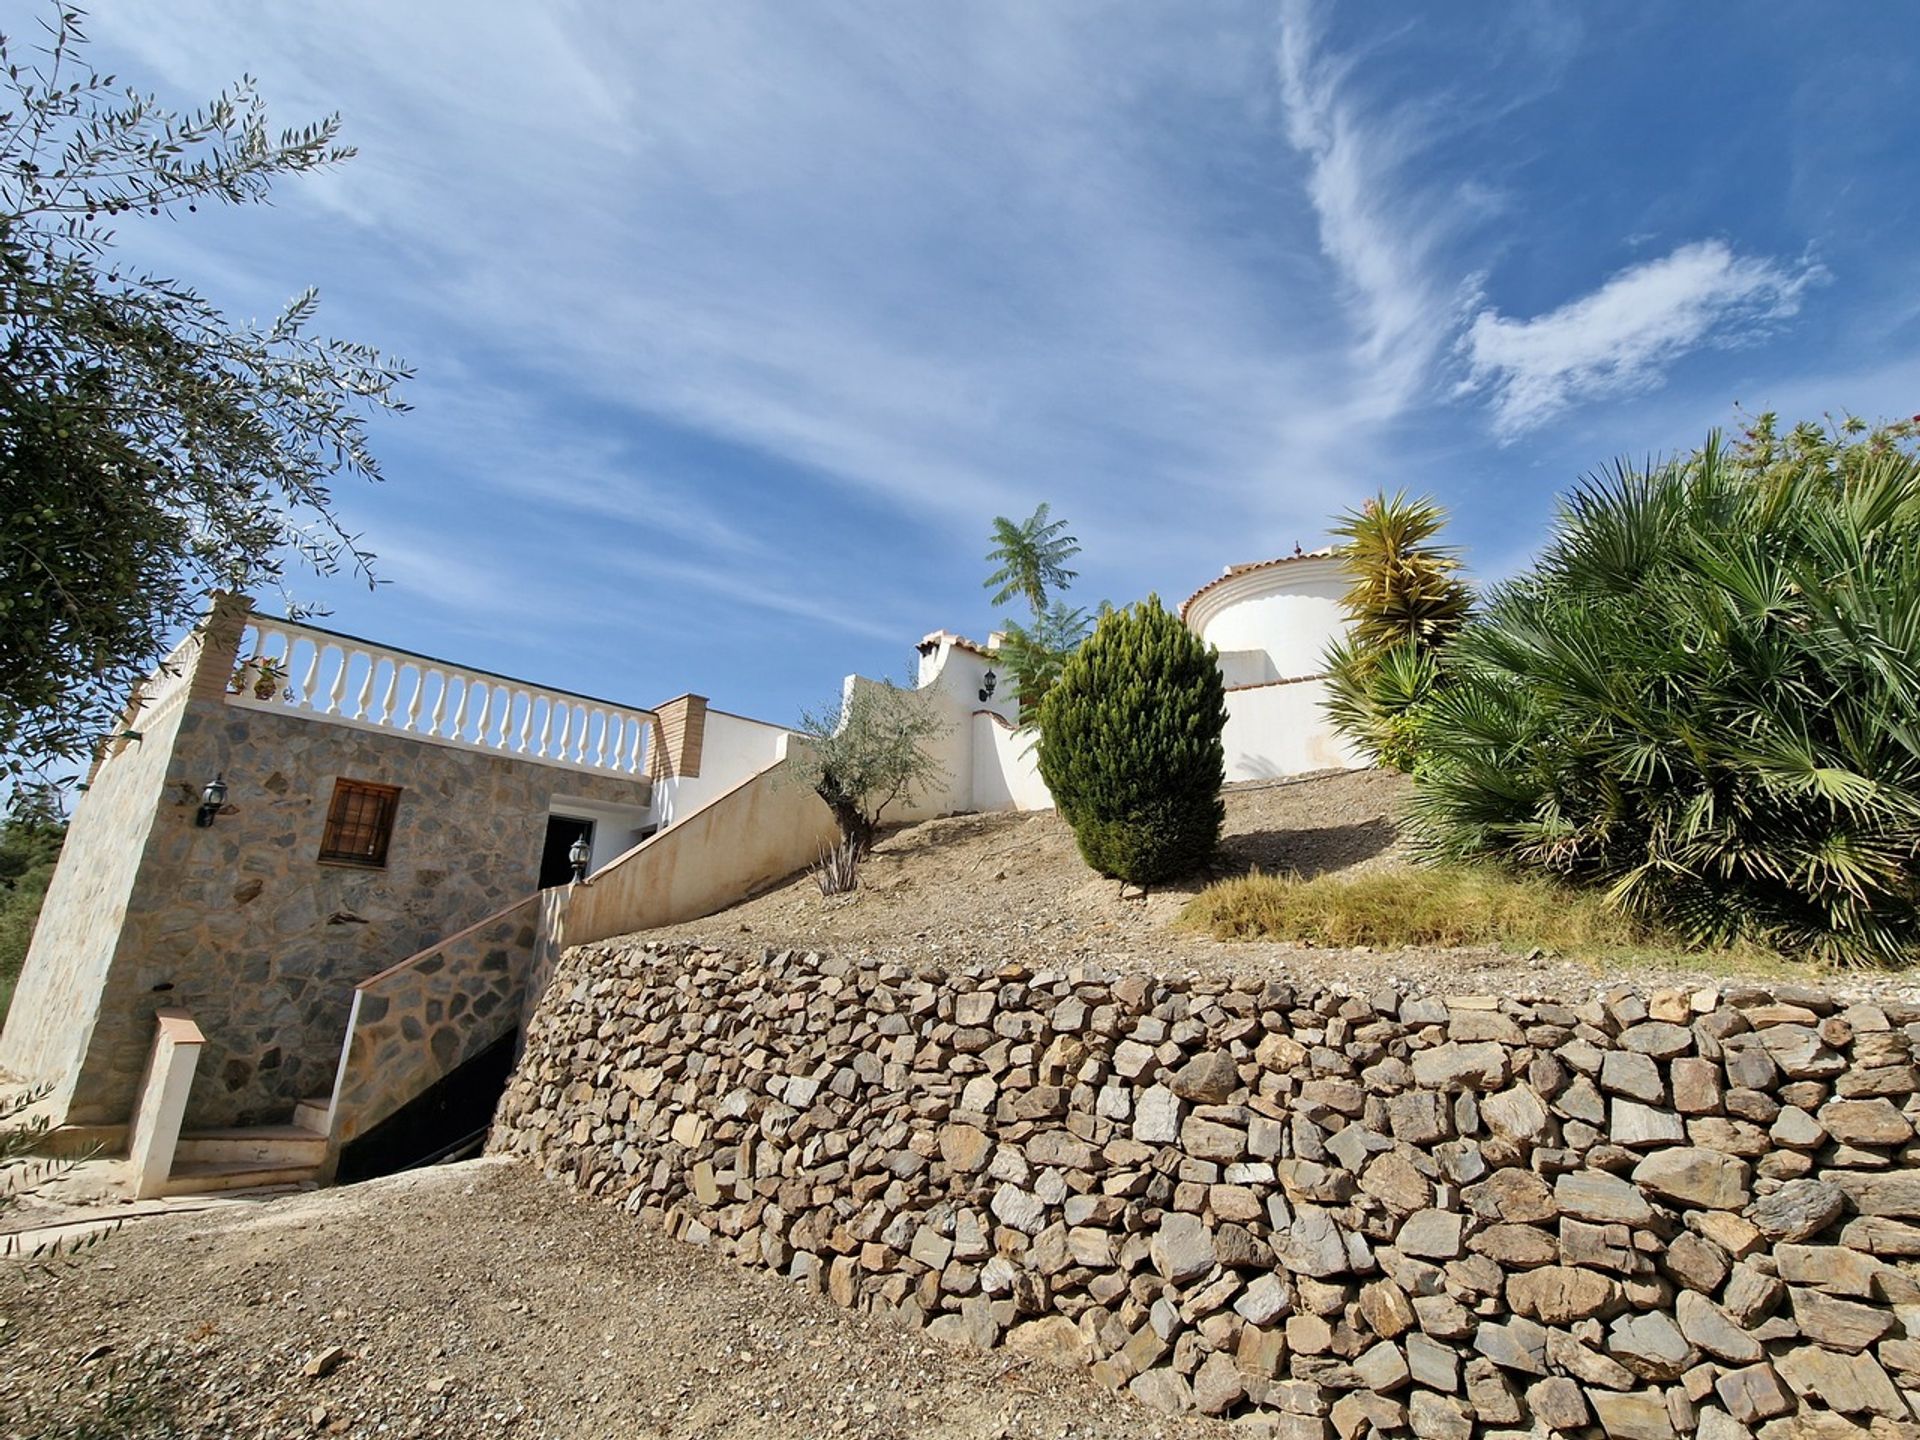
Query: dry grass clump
[{"x": 1440, "y": 907}]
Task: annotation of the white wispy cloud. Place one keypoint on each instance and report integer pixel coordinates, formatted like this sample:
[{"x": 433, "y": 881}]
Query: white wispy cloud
[
  {"x": 1380, "y": 227},
  {"x": 931, "y": 261},
  {"x": 1626, "y": 334}
]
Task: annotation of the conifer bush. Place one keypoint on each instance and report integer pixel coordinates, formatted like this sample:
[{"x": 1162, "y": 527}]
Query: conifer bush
[
  {"x": 1705, "y": 697},
  {"x": 1130, "y": 746}
]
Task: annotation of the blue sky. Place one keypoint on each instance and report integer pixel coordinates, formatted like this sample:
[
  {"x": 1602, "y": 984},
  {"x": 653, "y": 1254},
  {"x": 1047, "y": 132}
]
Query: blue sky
[{"x": 736, "y": 324}]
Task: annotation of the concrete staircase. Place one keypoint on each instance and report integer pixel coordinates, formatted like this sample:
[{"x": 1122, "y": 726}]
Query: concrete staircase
[{"x": 252, "y": 1157}]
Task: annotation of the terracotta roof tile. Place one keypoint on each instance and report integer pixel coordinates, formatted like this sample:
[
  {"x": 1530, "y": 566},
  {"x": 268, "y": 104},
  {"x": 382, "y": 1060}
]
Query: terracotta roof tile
[{"x": 1235, "y": 571}]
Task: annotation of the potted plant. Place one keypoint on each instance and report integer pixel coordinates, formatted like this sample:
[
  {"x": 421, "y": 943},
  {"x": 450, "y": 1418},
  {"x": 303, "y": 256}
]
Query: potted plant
[{"x": 270, "y": 677}]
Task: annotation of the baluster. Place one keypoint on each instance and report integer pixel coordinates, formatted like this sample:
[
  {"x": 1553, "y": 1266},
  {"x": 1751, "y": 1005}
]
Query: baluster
[
  {"x": 386, "y": 700},
  {"x": 526, "y": 725},
  {"x": 419, "y": 689},
  {"x": 636, "y": 733},
  {"x": 606, "y": 734},
  {"x": 500, "y": 741},
  {"x": 313, "y": 674},
  {"x": 487, "y": 693},
  {"x": 440, "y": 705},
  {"x": 546, "y": 730},
  {"x": 578, "y": 740},
  {"x": 365, "y": 697},
  {"x": 338, "y": 689}
]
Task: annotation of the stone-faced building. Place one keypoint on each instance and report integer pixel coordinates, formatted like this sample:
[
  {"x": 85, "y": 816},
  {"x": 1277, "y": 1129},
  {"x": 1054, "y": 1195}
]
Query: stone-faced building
[{"x": 375, "y": 803}]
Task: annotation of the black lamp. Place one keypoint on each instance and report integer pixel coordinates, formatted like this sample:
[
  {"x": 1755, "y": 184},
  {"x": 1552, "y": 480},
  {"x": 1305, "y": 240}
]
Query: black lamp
[
  {"x": 580, "y": 853},
  {"x": 212, "y": 799},
  {"x": 986, "y": 692}
]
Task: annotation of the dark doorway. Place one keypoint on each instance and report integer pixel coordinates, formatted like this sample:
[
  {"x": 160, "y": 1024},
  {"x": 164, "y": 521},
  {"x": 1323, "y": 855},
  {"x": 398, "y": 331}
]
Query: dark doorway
[
  {"x": 447, "y": 1120},
  {"x": 562, "y": 831}
]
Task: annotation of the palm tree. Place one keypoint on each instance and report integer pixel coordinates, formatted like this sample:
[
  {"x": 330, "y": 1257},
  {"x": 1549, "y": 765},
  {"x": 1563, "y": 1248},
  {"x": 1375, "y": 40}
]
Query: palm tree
[
  {"x": 1405, "y": 601},
  {"x": 1032, "y": 555}
]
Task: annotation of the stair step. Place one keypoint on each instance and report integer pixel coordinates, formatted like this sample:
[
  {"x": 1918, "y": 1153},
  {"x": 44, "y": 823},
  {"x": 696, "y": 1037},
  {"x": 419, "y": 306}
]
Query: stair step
[
  {"x": 314, "y": 1114},
  {"x": 256, "y": 1145},
  {"x": 204, "y": 1177}
]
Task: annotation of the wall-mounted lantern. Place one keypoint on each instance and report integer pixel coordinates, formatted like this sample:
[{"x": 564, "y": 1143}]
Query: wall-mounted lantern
[
  {"x": 580, "y": 854},
  {"x": 212, "y": 799},
  {"x": 986, "y": 690}
]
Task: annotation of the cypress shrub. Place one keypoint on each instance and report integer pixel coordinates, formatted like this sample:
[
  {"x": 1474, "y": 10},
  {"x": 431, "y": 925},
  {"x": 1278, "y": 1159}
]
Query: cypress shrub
[{"x": 1130, "y": 746}]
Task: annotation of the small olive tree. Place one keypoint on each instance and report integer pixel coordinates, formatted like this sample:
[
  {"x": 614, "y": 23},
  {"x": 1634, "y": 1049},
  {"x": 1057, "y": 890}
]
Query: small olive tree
[{"x": 866, "y": 751}]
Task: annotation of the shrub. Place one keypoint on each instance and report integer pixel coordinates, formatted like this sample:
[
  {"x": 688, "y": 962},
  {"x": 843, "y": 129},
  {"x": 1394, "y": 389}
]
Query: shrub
[
  {"x": 1706, "y": 697},
  {"x": 1430, "y": 905},
  {"x": 1130, "y": 746},
  {"x": 1404, "y": 602},
  {"x": 867, "y": 751},
  {"x": 30, "y": 839}
]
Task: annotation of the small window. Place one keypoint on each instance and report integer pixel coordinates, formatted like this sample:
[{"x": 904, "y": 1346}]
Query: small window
[{"x": 359, "y": 823}]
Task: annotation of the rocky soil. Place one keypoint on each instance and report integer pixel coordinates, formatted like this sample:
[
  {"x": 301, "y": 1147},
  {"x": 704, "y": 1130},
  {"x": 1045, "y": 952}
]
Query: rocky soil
[
  {"x": 986, "y": 887},
  {"x": 477, "y": 1300}
]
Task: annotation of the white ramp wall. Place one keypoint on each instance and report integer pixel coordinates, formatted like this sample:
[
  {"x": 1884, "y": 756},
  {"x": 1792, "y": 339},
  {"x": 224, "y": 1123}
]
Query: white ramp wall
[{"x": 1282, "y": 729}]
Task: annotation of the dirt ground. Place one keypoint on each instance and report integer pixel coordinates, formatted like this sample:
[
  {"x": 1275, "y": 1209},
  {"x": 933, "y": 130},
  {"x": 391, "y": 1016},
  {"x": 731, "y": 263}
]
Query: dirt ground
[
  {"x": 479, "y": 1300},
  {"x": 1005, "y": 886}
]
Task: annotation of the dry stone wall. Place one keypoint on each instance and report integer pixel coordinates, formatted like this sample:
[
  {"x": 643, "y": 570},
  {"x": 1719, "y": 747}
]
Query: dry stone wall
[{"x": 1318, "y": 1213}]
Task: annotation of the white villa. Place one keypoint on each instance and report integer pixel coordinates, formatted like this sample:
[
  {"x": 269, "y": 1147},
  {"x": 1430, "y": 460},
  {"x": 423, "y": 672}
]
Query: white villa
[{"x": 309, "y": 896}]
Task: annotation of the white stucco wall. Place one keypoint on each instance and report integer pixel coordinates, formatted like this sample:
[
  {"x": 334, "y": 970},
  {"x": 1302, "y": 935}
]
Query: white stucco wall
[
  {"x": 1288, "y": 613},
  {"x": 1006, "y": 769},
  {"x": 732, "y": 749},
  {"x": 982, "y": 760},
  {"x": 1275, "y": 730}
]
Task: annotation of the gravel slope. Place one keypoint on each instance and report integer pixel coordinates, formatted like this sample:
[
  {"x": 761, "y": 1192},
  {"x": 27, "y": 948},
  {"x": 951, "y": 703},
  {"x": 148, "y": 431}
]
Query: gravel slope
[
  {"x": 478, "y": 1300},
  {"x": 992, "y": 887}
]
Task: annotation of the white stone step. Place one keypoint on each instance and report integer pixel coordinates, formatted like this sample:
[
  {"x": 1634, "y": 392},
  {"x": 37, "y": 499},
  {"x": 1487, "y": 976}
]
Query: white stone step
[
  {"x": 203, "y": 1178},
  {"x": 314, "y": 1115},
  {"x": 271, "y": 1146}
]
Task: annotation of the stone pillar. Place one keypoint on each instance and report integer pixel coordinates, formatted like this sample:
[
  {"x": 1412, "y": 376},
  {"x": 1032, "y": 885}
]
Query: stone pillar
[
  {"x": 219, "y": 652},
  {"x": 678, "y": 735},
  {"x": 161, "y": 1105}
]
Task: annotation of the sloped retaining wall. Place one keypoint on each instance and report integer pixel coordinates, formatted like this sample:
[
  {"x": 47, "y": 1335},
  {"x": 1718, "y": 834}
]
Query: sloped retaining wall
[{"x": 1331, "y": 1214}]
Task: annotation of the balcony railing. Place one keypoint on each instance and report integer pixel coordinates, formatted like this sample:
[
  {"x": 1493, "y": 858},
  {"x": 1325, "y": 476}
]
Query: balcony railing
[{"x": 305, "y": 670}]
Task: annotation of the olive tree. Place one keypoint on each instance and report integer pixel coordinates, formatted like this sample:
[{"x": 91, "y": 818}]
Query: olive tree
[
  {"x": 868, "y": 751},
  {"x": 151, "y": 449}
]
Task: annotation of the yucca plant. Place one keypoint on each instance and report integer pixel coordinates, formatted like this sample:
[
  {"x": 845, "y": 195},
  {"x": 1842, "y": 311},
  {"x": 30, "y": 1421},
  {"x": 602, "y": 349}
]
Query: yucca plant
[
  {"x": 1706, "y": 698},
  {"x": 1405, "y": 601}
]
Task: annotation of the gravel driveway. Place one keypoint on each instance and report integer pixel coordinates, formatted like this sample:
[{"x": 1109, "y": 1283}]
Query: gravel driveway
[{"x": 478, "y": 1300}]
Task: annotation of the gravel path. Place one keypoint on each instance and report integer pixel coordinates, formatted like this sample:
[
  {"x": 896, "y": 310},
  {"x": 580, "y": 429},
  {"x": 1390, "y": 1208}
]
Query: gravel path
[{"x": 478, "y": 1300}]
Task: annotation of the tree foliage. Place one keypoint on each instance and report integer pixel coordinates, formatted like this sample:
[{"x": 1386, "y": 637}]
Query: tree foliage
[
  {"x": 30, "y": 840},
  {"x": 1405, "y": 602},
  {"x": 866, "y": 752},
  {"x": 1130, "y": 746},
  {"x": 1705, "y": 696},
  {"x": 1032, "y": 555},
  {"x": 151, "y": 450}
]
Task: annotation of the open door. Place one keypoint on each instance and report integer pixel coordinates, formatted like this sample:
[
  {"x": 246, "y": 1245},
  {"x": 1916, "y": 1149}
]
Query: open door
[{"x": 562, "y": 832}]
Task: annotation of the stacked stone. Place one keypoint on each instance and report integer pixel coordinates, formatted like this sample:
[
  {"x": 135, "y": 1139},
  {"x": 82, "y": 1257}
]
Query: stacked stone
[{"x": 1320, "y": 1213}]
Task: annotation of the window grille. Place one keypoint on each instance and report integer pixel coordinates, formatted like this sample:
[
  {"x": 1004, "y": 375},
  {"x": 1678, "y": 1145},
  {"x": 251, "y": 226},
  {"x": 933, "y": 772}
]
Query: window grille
[{"x": 359, "y": 823}]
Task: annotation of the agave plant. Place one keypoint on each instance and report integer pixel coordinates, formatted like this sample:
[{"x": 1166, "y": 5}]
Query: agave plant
[
  {"x": 1706, "y": 697},
  {"x": 1405, "y": 602}
]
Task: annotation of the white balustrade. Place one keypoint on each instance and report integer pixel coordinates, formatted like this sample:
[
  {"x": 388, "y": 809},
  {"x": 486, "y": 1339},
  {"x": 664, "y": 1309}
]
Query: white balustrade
[{"x": 318, "y": 673}]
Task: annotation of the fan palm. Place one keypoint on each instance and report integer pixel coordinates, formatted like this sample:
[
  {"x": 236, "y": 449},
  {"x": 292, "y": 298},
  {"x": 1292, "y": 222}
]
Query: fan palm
[{"x": 1705, "y": 697}]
